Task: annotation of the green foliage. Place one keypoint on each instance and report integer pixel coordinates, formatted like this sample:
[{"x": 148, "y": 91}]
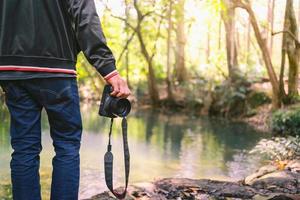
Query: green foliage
[
  {"x": 195, "y": 94},
  {"x": 237, "y": 98},
  {"x": 286, "y": 122},
  {"x": 278, "y": 148},
  {"x": 230, "y": 98},
  {"x": 257, "y": 99}
]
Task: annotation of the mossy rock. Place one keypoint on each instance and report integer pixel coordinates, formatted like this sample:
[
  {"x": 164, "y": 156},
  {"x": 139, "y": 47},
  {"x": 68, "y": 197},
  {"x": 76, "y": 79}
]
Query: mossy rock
[{"x": 286, "y": 122}]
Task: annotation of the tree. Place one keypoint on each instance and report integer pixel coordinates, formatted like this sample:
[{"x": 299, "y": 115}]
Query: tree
[
  {"x": 127, "y": 15},
  {"x": 271, "y": 8},
  {"x": 293, "y": 48},
  {"x": 245, "y": 4},
  {"x": 181, "y": 72},
  {"x": 147, "y": 54},
  {"x": 228, "y": 17},
  {"x": 169, "y": 45},
  {"x": 208, "y": 49},
  {"x": 153, "y": 91},
  {"x": 248, "y": 41}
]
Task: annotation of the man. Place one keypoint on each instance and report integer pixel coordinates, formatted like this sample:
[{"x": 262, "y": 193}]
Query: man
[{"x": 39, "y": 43}]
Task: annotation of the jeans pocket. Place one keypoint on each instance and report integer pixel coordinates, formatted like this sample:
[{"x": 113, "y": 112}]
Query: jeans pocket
[
  {"x": 56, "y": 93},
  {"x": 60, "y": 95}
]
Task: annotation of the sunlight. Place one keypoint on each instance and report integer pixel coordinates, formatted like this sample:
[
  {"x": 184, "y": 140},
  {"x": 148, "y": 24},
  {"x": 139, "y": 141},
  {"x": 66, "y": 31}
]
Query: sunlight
[{"x": 116, "y": 7}]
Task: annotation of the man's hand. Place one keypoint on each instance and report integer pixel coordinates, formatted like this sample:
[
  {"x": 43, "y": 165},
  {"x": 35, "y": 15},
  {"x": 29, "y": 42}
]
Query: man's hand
[{"x": 120, "y": 86}]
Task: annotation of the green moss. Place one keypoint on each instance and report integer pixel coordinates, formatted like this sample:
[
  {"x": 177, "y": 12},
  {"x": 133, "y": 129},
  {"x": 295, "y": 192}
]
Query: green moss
[{"x": 286, "y": 122}]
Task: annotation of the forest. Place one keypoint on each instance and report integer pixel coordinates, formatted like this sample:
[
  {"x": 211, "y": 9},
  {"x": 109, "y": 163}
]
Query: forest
[{"x": 213, "y": 57}]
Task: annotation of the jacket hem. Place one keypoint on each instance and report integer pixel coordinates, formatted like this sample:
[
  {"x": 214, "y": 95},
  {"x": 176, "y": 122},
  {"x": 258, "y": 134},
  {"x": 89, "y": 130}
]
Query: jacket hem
[
  {"x": 37, "y": 62},
  {"x": 36, "y": 69}
]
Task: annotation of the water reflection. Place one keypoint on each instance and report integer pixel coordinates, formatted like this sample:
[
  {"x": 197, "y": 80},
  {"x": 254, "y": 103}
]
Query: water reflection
[{"x": 161, "y": 146}]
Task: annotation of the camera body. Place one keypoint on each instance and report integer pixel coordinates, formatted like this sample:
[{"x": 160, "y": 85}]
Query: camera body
[{"x": 113, "y": 107}]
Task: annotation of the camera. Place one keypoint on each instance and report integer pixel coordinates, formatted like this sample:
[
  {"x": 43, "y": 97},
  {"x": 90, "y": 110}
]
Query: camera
[{"x": 113, "y": 107}]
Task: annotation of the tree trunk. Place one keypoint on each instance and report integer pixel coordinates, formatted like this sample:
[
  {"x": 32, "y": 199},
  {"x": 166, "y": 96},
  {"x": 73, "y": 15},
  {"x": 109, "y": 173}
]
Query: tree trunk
[
  {"x": 208, "y": 45},
  {"x": 220, "y": 33},
  {"x": 152, "y": 87},
  {"x": 169, "y": 45},
  {"x": 266, "y": 55},
  {"x": 292, "y": 49},
  {"x": 228, "y": 16},
  {"x": 282, "y": 93},
  {"x": 248, "y": 41},
  {"x": 181, "y": 72},
  {"x": 271, "y": 23},
  {"x": 153, "y": 91},
  {"x": 298, "y": 16},
  {"x": 127, "y": 50}
]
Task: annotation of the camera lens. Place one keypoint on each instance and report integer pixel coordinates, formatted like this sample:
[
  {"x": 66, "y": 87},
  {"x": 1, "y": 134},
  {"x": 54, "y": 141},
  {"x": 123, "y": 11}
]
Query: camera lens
[{"x": 120, "y": 107}]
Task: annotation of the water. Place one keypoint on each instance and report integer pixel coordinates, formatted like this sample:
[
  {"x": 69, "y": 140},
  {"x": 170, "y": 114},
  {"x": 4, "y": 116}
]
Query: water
[{"x": 161, "y": 146}]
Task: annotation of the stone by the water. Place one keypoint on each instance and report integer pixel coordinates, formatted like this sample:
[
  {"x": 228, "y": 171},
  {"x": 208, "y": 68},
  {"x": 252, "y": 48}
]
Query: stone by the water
[{"x": 267, "y": 183}]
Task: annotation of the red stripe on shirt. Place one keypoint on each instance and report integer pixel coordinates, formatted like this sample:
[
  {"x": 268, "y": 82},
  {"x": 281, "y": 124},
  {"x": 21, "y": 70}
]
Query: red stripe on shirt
[{"x": 37, "y": 69}]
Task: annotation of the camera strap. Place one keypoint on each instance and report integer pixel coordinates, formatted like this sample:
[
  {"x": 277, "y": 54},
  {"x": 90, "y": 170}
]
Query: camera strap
[{"x": 108, "y": 161}]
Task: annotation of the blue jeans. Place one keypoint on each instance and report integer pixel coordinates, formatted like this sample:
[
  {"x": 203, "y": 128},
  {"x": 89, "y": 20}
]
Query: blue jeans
[{"x": 25, "y": 100}]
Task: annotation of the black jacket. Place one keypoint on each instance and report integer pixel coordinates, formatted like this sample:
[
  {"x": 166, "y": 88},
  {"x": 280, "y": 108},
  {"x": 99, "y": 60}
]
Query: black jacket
[{"x": 37, "y": 34}]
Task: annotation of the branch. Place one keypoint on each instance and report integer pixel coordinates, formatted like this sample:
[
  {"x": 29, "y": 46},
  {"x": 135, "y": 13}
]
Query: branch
[
  {"x": 126, "y": 22},
  {"x": 139, "y": 13},
  {"x": 221, "y": 71},
  {"x": 147, "y": 14},
  {"x": 290, "y": 33},
  {"x": 155, "y": 43},
  {"x": 158, "y": 34},
  {"x": 241, "y": 4},
  {"x": 126, "y": 46}
]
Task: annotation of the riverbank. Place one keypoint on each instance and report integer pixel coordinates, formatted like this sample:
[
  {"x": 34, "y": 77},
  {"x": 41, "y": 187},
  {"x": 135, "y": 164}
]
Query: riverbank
[
  {"x": 270, "y": 182},
  {"x": 260, "y": 121},
  {"x": 283, "y": 122}
]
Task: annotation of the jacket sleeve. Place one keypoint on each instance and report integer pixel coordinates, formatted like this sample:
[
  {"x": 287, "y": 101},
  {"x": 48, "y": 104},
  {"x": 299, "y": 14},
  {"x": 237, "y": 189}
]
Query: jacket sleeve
[{"x": 90, "y": 35}]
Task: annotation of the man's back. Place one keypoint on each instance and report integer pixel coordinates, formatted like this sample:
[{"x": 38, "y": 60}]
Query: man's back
[
  {"x": 36, "y": 28},
  {"x": 47, "y": 35}
]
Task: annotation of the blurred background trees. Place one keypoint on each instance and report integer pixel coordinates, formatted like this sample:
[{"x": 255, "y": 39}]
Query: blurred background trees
[{"x": 169, "y": 49}]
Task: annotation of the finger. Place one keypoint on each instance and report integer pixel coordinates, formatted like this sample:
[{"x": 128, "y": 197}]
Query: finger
[
  {"x": 127, "y": 93},
  {"x": 122, "y": 93},
  {"x": 116, "y": 90},
  {"x": 114, "y": 93}
]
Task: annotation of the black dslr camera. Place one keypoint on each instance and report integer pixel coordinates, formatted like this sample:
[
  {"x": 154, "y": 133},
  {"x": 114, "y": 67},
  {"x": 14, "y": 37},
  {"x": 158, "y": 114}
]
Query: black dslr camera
[{"x": 113, "y": 107}]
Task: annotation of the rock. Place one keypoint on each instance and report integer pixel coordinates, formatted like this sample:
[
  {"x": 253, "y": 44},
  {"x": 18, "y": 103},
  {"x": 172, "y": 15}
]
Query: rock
[
  {"x": 277, "y": 197},
  {"x": 259, "y": 173},
  {"x": 280, "y": 181},
  {"x": 218, "y": 189},
  {"x": 293, "y": 166},
  {"x": 204, "y": 197},
  {"x": 267, "y": 183}
]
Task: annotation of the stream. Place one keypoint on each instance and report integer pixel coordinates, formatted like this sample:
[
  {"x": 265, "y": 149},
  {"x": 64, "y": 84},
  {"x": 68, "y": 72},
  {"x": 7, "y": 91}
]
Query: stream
[{"x": 173, "y": 145}]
